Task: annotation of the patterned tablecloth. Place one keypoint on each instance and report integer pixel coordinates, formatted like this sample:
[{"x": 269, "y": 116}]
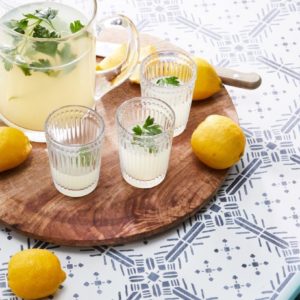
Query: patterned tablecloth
[{"x": 245, "y": 243}]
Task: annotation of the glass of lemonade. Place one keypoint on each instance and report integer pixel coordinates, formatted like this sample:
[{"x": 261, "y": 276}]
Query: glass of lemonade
[
  {"x": 170, "y": 76},
  {"x": 145, "y": 133},
  {"x": 47, "y": 59},
  {"x": 74, "y": 137}
]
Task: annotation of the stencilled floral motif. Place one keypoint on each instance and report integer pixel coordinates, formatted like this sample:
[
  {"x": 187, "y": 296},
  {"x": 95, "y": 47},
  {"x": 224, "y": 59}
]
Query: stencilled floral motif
[{"x": 153, "y": 276}]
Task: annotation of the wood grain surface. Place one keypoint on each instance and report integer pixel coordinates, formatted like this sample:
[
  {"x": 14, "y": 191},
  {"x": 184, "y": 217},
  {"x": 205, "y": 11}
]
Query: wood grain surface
[{"x": 115, "y": 212}]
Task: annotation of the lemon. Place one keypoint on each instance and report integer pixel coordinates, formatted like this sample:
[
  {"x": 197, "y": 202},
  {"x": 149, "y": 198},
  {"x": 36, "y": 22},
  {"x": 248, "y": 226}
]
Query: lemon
[
  {"x": 113, "y": 60},
  {"x": 14, "y": 148},
  {"x": 144, "y": 52},
  {"x": 34, "y": 273},
  {"x": 207, "y": 82},
  {"x": 218, "y": 142}
]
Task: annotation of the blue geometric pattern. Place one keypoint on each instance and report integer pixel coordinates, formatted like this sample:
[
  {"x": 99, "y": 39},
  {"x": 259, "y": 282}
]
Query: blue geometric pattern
[{"x": 245, "y": 243}]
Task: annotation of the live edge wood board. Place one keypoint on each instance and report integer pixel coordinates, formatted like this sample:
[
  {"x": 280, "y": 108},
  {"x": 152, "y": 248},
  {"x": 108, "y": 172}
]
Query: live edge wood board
[{"x": 115, "y": 212}]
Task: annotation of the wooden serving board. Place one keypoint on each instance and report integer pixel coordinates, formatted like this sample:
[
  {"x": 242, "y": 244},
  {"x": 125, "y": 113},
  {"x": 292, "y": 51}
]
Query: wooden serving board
[{"x": 115, "y": 212}]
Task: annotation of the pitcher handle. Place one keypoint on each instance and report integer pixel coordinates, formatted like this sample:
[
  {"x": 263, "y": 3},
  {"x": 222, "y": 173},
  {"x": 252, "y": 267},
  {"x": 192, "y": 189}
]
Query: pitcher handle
[{"x": 106, "y": 80}]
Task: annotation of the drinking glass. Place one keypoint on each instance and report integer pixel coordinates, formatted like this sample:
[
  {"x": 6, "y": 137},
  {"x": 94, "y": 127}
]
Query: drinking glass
[
  {"x": 170, "y": 76},
  {"x": 74, "y": 137},
  {"x": 144, "y": 159},
  {"x": 39, "y": 75}
]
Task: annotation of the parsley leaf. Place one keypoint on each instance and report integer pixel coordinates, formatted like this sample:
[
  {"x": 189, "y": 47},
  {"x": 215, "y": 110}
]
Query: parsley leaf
[
  {"x": 149, "y": 121},
  {"x": 137, "y": 130},
  {"x": 7, "y": 64},
  {"x": 21, "y": 26},
  {"x": 25, "y": 69},
  {"x": 18, "y": 26},
  {"x": 86, "y": 158},
  {"x": 48, "y": 48},
  {"x": 149, "y": 128},
  {"x": 76, "y": 26},
  {"x": 42, "y": 32},
  {"x": 173, "y": 80},
  {"x": 66, "y": 54},
  {"x": 43, "y": 65},
  {"x": 31, "y": 16},
  {"x": 154, "y": 130}
]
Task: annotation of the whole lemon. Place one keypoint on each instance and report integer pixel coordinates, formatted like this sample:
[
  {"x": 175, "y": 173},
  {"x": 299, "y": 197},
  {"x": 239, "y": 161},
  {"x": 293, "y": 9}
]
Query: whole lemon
[
  {"x": 207, "y": 82},
  {"x": 34, "y": 273},
  {"x": 14, "y": 147},
  {"x": 218, "y": 142}
]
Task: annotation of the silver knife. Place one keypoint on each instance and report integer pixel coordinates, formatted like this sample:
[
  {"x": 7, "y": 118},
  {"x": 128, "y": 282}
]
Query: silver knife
[{"x": 227, "y": 75}]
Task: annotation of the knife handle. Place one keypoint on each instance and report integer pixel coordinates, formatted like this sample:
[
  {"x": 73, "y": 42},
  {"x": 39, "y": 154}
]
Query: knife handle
[{"x": 239, "y": 79}]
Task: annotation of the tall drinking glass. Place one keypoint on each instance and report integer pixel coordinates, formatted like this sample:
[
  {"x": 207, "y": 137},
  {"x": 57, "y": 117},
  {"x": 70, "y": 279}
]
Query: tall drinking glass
[{"x": 47, "y": 59}]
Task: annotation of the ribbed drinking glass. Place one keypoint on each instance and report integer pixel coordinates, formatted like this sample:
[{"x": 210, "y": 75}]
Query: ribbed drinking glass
[
  {"x": 74, "y": 137},
  {"x": 170, "y": 76},
  {"x": 144, "y": 158}
]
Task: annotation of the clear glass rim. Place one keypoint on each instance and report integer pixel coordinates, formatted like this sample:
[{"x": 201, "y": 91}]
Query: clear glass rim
[
  {"x": 60, "y": 39},
  {"x": 98, "y": 138},
  {"x": 139, "y": 99},
  {"x": 169, "y": 53}
]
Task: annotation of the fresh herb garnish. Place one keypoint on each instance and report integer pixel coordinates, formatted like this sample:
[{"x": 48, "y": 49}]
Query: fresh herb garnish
[
  {"x": 76, "y": 26},
  {"x": 173, "y": 80},
  {"x": 21, "y": 26},
  {"x": 148, "y": 129},
  {"x": 7, "y": 64},
  {"x": 43, "y": 33},
  {"x": 38, "y": 25},
  {"x": 43, "y": 65},
  {"x": 31, "y": 21},
  {"x": 86, "y": 158},
  {"x": 25, "y": 69}
]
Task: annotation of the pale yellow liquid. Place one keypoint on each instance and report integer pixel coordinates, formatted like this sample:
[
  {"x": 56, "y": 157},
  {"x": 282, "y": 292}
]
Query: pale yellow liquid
[
  {"x": 75, "y": 185},
  {"x": 141, "y": 165},
  {"x": 26, "y": 101},
  {"x": 178, "y": 98}
]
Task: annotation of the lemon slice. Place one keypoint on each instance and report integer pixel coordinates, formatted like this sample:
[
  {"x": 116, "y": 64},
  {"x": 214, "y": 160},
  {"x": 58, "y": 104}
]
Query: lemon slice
[
  {"x": 113, "y": 60},
  {"x": 144, "y": 52}
]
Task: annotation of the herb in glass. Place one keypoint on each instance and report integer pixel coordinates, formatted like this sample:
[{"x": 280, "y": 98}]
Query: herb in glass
[{"x": 149, "y": 128}]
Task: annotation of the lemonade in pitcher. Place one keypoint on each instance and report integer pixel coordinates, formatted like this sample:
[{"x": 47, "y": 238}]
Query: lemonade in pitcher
[
  {"x": 47, "y": 60},
  {"x": 36, "y": 76}
]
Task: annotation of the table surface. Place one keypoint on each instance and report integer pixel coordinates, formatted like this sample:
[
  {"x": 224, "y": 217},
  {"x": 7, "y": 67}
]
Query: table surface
[{"x": 245, "y": 243}]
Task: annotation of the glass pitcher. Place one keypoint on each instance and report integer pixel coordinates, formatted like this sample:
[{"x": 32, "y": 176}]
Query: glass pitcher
[{"x": 47, "y": 59}]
